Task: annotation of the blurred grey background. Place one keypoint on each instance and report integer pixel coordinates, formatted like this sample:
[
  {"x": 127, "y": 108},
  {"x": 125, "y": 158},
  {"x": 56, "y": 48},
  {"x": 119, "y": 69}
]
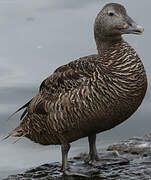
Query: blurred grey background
[{"x": 37, "y": 36}]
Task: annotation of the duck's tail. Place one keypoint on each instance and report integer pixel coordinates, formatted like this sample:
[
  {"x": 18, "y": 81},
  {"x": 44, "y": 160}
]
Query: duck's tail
[{"x": 17, "y": 132}]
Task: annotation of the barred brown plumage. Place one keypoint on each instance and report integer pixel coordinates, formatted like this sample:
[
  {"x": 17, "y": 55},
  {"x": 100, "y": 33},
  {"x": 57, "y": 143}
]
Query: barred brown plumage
[{"x": 91, "y": 94}]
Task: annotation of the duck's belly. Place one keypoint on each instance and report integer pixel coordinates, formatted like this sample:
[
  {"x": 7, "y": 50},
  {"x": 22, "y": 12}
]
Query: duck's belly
[{"x": 102, "y": 118}]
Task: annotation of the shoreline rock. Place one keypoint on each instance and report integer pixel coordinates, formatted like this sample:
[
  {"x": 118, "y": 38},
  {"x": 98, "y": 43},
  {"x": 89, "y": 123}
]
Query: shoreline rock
[{"x": 127, "y": 160}]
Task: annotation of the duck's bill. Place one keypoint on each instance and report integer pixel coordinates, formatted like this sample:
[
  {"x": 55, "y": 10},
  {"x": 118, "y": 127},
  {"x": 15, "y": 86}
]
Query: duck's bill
[
  {"x": 130, "y": 26},
  {"x": 133, "y": 29}
]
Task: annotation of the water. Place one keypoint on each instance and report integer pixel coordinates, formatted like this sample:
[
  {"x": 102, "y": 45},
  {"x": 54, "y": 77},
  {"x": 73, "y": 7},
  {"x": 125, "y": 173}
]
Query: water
[{"x": 35, "y": 38}]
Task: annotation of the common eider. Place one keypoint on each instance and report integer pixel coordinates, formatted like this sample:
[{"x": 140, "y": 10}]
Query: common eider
[{"x": 91, "y": 94}]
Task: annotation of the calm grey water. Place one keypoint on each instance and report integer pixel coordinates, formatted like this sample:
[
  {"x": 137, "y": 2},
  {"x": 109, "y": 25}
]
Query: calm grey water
[{"x": 37, "y": 36}]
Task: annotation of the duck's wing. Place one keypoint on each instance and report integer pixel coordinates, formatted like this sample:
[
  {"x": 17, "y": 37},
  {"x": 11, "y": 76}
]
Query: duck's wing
[{"x": 63, "y": 79}]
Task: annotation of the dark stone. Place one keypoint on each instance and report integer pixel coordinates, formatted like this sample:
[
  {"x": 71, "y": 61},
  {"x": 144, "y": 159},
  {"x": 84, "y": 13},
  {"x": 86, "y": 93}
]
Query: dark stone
[{"x": 128, "y": 160}]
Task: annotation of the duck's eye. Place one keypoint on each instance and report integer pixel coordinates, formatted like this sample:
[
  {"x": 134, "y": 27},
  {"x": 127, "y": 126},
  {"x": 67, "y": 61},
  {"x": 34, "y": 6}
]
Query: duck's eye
[{"x": 110, "y": 13}]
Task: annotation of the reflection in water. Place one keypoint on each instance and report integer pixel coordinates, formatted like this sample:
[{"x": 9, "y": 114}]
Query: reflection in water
[{"x": 35, "y": 38}]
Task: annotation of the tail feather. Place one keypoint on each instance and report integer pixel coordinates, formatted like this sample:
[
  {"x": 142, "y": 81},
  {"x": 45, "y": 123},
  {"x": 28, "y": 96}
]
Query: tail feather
[
  {"x": 5, "y": 137},
  {"x": 18, "y": 138},
  {"x": 17, "y": 132},
  {"x": 24, "y": 106},
  {"x": 10, "y": 134},
  {"x": 15, "y": 135}
]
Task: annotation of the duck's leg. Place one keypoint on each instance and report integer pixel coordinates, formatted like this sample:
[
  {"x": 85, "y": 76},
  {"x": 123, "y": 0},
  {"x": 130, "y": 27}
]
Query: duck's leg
[
  {"x": 93, "y": 155},
  {"x": 65, "y": 149},
  {"x": 65, "y": 168}
]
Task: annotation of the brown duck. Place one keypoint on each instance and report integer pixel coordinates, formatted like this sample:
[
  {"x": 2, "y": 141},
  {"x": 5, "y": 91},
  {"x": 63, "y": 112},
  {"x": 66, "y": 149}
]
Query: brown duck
[{"x": 91, "y": 94}]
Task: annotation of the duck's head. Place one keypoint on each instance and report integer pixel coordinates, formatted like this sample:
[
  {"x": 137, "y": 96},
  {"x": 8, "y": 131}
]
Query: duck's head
[{"x": 113, "y": 21}]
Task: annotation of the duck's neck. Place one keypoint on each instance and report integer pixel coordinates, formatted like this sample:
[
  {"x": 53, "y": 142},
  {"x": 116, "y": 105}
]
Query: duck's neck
[{"x": 105, "y": 43}]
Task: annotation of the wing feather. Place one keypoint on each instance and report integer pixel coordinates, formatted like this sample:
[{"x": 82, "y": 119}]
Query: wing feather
[{"x": 64, "y": 78}]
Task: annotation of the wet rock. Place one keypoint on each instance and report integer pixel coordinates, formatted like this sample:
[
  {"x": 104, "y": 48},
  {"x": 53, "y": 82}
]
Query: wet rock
[
  {"x": 135, "y": 145},
  {"x": 128, "y": 160}
]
